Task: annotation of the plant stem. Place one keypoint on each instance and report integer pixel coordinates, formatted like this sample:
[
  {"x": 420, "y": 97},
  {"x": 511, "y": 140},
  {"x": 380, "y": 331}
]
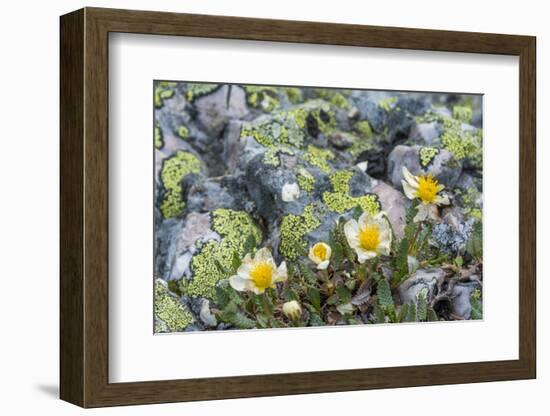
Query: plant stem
[{"x": 413, "y": 241}]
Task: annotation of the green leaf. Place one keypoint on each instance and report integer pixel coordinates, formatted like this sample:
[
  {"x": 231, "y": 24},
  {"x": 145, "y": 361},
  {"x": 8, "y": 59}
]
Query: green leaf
[
  {"x": 231, "y": 315},
  {"x": 385, "y": 299},
  {"x": 332, "y": 300},
  {"x": 411, "y": 313},
  {"x": 422, "y": 305},
  {"x": 249, "y": 244},
  {"x": 314, "y": 297},
  {"x": 263, "y": 321},
  {"x": 401, "y": 264},
  {"x": 235, "y": 262},
  {"x": 477, "y": 306},
  {"x": 344, "y": 294},
  {"x": 309, "y": 275},
  {"x": 345, "y": 309},
  {"x": 379, "y": 315},
  {"x": 403, "y": 311},
  {"x": 432, "y": 316},
  {"x": 315, "y": 319},
  {"x": 474, "y": 246},
  {"x": 337, "y": 255}
]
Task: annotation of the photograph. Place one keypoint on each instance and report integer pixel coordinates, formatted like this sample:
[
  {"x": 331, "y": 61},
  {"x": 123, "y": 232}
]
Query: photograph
[{"x": 291, "y": 206}]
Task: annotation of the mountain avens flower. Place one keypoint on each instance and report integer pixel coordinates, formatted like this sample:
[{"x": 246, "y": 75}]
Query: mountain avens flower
[
  {"x": 292, "y": 310},
  {"x": 259, "y": 273},
  {"x": 369, "y": 236},
  {"x": 320, "y": 255},
  {"x": 426, "y": 189}
]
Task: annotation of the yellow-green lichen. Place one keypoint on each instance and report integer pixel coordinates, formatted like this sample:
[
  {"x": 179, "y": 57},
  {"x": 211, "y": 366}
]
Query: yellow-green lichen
[
  {"x": 294, "y": 95},
  {"x": 294, "y": 228},
  {"x": 159, "y": 142},
  {"x": 306, "y": 180},
  {"x": 462, "y": 113},
  {"x": 263, "y": 97},
  {"x": 364, "y": 128},
  {"x": 470, "y": 202},
  {"x": 387, "y": 103},
  {"x": 318, "y": 157},
  {"x": 462, "y": 143},
  {"x": 339, "y": 200},
  {"x": 196, "y": 90},
  {"x": 271, "y": 156},
  {"x": 234, "y": 227},
  {"x": 335, "y": 97},
  {"x": 173, "y": 315},
  {"x": 163, "y": 91},
  {"x": 183, "y": 132},
  {"x": 173, "y": 171},
  {"x": 427, "y": 155}
]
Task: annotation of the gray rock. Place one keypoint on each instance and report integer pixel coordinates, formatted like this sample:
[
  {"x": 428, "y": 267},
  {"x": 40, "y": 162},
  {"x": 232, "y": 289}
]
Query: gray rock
[
  {"x": 423, "y": 279},
  {"x": 393, "y": 203},
  {"x": 213, "y": 110},
  {"x": 453, "y": 232},
  {"x": 460, "y": 302},
  {"x": 426, "y": 134},
  {"x": 443, "y": 167}
]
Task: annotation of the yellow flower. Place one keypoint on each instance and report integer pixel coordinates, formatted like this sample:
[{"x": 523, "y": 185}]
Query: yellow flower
[
  {"x": 426, "y": 189},
  {"x": 259, "y": 273},
  {"x": 320, "y": 255},
  {"x": 292, "y": 310},
  {"x": 369, "y": 236}
]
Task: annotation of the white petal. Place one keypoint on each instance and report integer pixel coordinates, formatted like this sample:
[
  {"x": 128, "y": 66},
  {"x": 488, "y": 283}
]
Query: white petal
[
  {"x": 440, "y": 188},
  {"x": 409, "y": 190},
  {"x": 351, "y": 230},
  {"x": 364, "y": 220},
  {"x": 363, "y": 256},
  {"x": 442, "y": 200},
  {"x": 238, "y": 283},
  {"x": 264, "y": 255},
  {"x": 323, "y": 265},
  {"x": 384, "y": 248},
  {"x": 313, "y": 257},
  {"x": 409, "y": 177},
  {"x": 281, "y": 273},
  {"x": 329, "y": 250},
  {"x": 244, "y": 270},
  {"x": 423, "y": 211}
]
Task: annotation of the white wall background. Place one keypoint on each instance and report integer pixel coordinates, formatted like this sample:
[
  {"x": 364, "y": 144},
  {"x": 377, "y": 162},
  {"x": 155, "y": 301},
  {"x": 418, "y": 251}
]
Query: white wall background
[{"x": 30, "y": 192}]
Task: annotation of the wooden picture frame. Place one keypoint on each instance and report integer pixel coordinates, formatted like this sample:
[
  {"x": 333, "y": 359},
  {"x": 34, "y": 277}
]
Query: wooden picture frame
[{"x": 84, "y": 207}]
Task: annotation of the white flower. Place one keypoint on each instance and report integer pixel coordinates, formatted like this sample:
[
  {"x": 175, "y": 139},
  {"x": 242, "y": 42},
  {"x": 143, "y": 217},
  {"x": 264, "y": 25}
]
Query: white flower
[
  {"x": 320, "y": 255},
  {"x": 426, "y": 189},
  {"x": 290, "y": 192},
  {"x": 259, "y": 273},
  {"x": 370, "y": 236},
  {"x": 292, "y": 310}
]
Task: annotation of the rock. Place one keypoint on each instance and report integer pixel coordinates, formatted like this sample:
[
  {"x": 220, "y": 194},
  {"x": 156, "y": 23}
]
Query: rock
[
  {"x": 453, "y": 232},
  {"x": 461, "y": 293},
  {"x": 206, "y": 316},
  {"x": 372, "y": 112},
  {"x": 393, "y": 203},
  {"x": 426, "y": 134},
  {"x": 423, "y": 279},
  {"x": 443, "y": 166},
  {"x": 214, "y": 110}
]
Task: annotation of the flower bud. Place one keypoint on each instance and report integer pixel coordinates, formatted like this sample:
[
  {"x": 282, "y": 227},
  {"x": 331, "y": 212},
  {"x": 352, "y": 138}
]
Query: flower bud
[{"x": 292, "y": 310}]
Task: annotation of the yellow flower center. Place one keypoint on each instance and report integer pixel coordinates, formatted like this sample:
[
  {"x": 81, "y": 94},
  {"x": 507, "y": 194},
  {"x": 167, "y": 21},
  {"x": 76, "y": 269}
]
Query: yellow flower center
[
  {"x": 262, "y": 274},
  {"x": 427, "y": 188},
  {"x": 320, "y": 251},
  {"x": 369, "y": 237}
]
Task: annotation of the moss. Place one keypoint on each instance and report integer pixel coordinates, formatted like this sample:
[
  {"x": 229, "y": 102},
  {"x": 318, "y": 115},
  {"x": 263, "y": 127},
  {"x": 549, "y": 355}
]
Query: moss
[
  {"x": 294, "y": 95},
  {"x": 427, "y": 155},
  {"x": 195, "y": 90},
  {"x": 159, "y": 142},
  {"x": 173, "y": 315},
  {"x": 183, "y": 132},
  {"x": 234, "y": 227},
  {"x": 262, "y": 97},
  {"x": 163, "y": 91},
  {"x": 339, "y": 200},
  {"x": 387, "y": 103},
  {"x": 364, "y": 128},
  {"x": 306, "y": 180},
  {"x": 173, "y": 171},
  {"x": 294, "y": 228},
  {"x": 318, "y": 157},
  {"x": 462, "y": 113}
]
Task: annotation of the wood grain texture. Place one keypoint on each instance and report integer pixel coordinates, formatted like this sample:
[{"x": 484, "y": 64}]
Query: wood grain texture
[{"x": 84, "y": 207}]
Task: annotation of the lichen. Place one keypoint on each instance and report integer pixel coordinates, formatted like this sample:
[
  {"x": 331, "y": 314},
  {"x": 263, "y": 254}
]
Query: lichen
[
  {"x": 306, "y": 180},
  {"x": 173, "y": 171},
  {"x": 183, "y": 132},
  {"x": 339, "y": 200},
  {"x": 271, "y": 156},
  {"x": 462, "y": 113},
  {"x": 318, "y": 157},
  {"x": 470, "y": 201},
  {"x": 427, "y": 155},
  {"x": 462, "y": 143},
  {"x": 294, "y": 228},
  {"x": 196, "y": 90},
  {"x": 335, "y": 97},
  {"x": 163, "y": 91},
  {"x": 294, "y": 95},
  {"x": 387, "y": 103},
  {"x": 159, "y": 142},
  {"x": 364, "y": 128},
  {"x": 169, "y": 310},
  {"x": 234, "y": 227},
  {"x": 262, "y": 97}
]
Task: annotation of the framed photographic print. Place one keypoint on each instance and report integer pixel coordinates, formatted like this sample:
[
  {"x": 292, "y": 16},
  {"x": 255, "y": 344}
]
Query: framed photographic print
[{"x": 261, "y": 207}]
